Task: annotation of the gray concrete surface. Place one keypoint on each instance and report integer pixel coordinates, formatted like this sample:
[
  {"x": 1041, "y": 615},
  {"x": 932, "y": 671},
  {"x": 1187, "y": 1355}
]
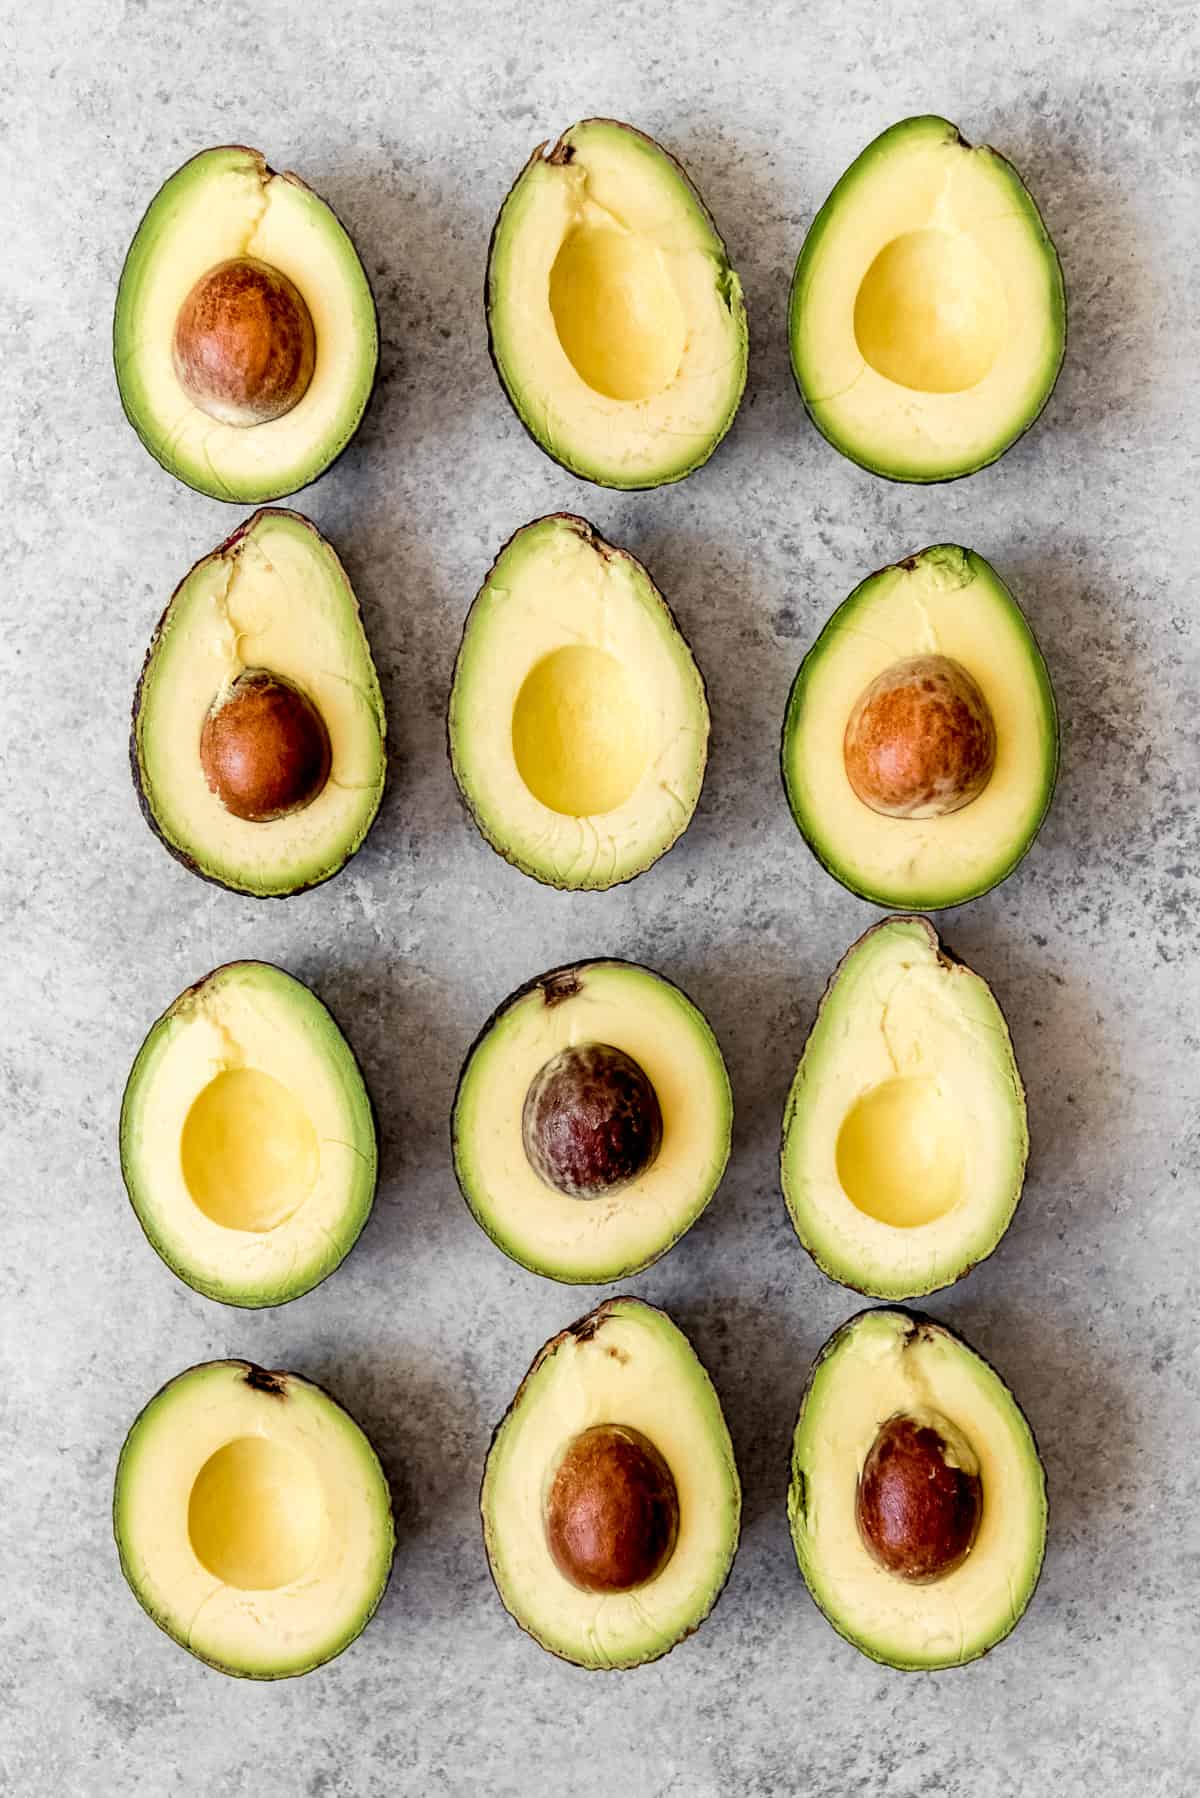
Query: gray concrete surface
[{"x": 412, "y": 120}]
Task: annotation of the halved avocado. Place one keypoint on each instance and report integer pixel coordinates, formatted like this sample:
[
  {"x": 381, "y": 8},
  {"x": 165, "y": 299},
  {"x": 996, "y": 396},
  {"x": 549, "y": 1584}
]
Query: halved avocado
[
  {"x": 905, "y": 1135},
  {"x": 607, "y": 1228},
  {"x": 944, "y": 608},
  {"x": 611, "y": 1502},
  {"x": 270, "y": 614},
  {"x": 884, "y": 1376},
  {"x": 616, "y": 324},
  {"x": 247, "y": 1138},
  {"x": 253, "y": 1520},
  {"x": 928, "y": 316},
  {"x": 578, "y": 721},
  {"x": 245, "y": 337}
]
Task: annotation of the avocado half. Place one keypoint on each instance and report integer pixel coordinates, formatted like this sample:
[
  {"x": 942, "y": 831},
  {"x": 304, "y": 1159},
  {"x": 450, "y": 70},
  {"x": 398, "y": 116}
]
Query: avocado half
[
  {"x": 627, "y": 1365},
  {"x": 882, "y": 1365},
  {"x": 578, "y": 719},
  {"x": 615, "y": 321},
  {"x": 947, "y": 602},
  {"x": 592, "y": 1240},
  {"x": 928, "y": 317},
  {"x": 253, "y": 1520},
  {"x": 227, "y": 207},
  {"x": 905, "y": 1135},
  {"x": 274, "y": 599},
  {"x": 247, "y": 1138}
]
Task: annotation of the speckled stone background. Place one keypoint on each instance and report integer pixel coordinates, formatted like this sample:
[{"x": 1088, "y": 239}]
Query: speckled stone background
[{"x": 412, "y": 120}]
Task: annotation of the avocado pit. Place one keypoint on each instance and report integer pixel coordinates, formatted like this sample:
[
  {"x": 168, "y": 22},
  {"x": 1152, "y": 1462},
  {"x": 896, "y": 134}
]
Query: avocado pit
[
  {"x": 919, "y": 1498},
  {"x": 612, "y": 1511},
  {"x": 921, "y": 740},
  {"x": 264, "y": 748},
  {"x": 591, "y": 1121},
  {"x": 244, "y": 346}
]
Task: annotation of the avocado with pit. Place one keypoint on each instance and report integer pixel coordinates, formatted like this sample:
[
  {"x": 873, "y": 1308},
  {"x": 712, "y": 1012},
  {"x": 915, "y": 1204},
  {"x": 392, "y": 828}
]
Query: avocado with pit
[
  {"x": 928, "y": 317},
  {"x": 592, "y": 1121},
  {"x": 245, "y": 337},
  {"x": 253, "y": 1520},
  {"x": 247, "y": 1137},
  {"x": 920, "y": 742},
  {"x": 616, "y": 323},
  {"x": 918, "y": 1498},
  {"x": 258, "y": 740},
  {"x": 905, "y": 1135},
  {"x": 611, "y": 1503},
  {"x": 578, "y": 720}
]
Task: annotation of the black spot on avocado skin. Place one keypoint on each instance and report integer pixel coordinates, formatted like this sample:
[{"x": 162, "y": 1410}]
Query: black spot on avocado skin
[
  {"x": 557, "y": 987},
  {"x": 259, "y": 1380}
]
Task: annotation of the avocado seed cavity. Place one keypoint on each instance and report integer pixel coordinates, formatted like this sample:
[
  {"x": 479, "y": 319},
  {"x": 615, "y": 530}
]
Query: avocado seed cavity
[
  {"x": 244, "y": 345},
  {"x": 612, "y": 1510},
  {"x": 264, "y": 748},
  {"x": 919, "y": 1498},
  {"x": 591, "y": 1122},
  {"x": 921, "y": 740}
]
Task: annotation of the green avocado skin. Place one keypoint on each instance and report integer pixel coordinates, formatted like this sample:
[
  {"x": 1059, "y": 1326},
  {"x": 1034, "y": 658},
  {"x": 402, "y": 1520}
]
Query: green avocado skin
[{"x": 810, "y": 251}]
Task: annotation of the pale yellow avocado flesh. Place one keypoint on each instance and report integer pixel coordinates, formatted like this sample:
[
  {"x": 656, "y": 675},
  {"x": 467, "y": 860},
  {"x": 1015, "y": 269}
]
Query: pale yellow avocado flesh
[
  {"x": 578, "y": 720},
  {"x": 253, "y": 1519},
  {"x": 275, "y": 596},
  {"x": 944, "y": 601},
  {"x": 616, "y": 322},
  {"x": 905, "y": 1134},
  {"x": 878, "y": 1365},
  {"x": 603, "y": 1238},
  {"x": 927, "y": 312},
  {"x": 247, "y": 1141},
  {"x": 626, "y": 1364},
  {"x": 226, "y": 204}
]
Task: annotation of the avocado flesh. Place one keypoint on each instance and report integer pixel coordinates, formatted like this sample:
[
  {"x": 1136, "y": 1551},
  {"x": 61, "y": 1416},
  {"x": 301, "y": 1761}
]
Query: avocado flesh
[
  {"x": 626, "y": 1364},
  {"x": 927, "y": 319},
  {"x": 253, "y": 1520},
  {"x": 905, "y": 1134},
  {"x": 583, "y": 1241},
  {"x": 881, "y": 1363},
  {"x": 223, "y": 204},
  {"x": 273, "y": 596},
  {"x": 247, "y": 1139},
  {"x": 947, "y": 601},
  {"x": 616, "y": 324},
  {"x": 578, "y": 721}
]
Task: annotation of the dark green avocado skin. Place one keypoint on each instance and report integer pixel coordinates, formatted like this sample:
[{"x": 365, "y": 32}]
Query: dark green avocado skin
[{"x": 917, "y": 1321}]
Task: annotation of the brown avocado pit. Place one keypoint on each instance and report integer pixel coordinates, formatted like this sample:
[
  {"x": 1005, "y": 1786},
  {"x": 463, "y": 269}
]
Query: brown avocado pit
[
  {"x": 921, "y": 740},
  {"x": 264, "y": 748},
  {"x": 244, "y": 346},
  {"x": 591, "y": 1122},
  {"x": 612, "y": 1511},
  {"x": 919, "y": 1498}
]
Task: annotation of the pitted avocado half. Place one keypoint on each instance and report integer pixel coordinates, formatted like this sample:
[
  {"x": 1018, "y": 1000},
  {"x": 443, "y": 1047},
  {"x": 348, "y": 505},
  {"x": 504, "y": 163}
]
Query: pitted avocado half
[
  {"x": 928, "y": 316},
  {"x": 616, "y": 323},
  {"x": 253, "y": 1520},
  {"x": 611, "y": 1502},
  {"x": 918, "y": 1497},
  {"x": 245, "y": 336}
]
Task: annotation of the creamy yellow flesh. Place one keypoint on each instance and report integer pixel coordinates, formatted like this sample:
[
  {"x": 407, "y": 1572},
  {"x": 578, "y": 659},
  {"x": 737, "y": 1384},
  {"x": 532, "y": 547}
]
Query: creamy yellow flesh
[
  {"x": 877, "y": 1371},
  {"x": 221, "y": 206},
  {"x": 953, "y": 605},
  {"x": 638, "y": 1370},
  {"x": 905, "y": 1136},
  {"x": 601, "y": 1238},
  {"x": 277, "y": 600},
  {"x": 928, "y": 321},
  {"x": 256, "y": 1529},
  {"x": 245, "y": 1142},
  {"x": 607, "y": 311},
  {"x": 578, "y": 722}
]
